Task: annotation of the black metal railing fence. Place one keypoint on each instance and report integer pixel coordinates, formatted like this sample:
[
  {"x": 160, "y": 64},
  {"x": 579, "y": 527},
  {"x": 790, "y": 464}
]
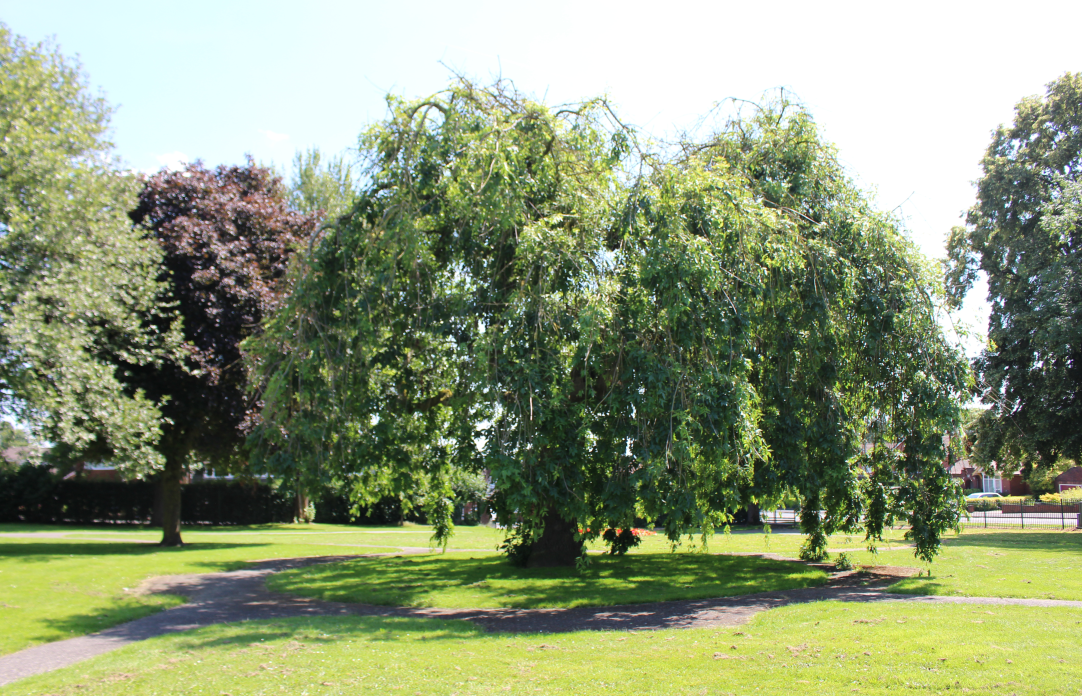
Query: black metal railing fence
[{"x": 991, "y": 513}]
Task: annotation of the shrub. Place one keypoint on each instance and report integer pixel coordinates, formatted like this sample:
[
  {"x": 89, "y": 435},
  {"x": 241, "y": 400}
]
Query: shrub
[
  {"x": 844, "y": 561},
  {"x": 620, "y": 540},
  {"x": 27, "y": 494},
  {"x": 334, "y": 507},
  {"x": 1069, "y": 496},
  {"x": 1042, "y": 479}
]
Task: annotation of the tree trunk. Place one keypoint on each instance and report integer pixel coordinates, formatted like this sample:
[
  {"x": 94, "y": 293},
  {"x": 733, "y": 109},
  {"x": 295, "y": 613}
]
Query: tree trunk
[
  {"x": 753, "y": 513},
  {"x": 300, "y": 505},
  {"x": 557, "y": 546},
  {"x": 170, "y": 486}
]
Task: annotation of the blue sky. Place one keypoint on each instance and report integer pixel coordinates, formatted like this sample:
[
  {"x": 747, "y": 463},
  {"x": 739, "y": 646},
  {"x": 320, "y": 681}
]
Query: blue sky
[{"x": 908, "y": 91}]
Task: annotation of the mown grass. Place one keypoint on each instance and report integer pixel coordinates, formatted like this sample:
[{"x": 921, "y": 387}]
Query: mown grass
[
  {"x": 785, "y": 541},
  {"x": 821, "y": 648},
  {"x": 454, "y": 581},
  {"x": 1038, "y": 564},
  {"x": 978, "y": 563},
  {"x": 52, "y": 589},
  {"x": 56, "y": 588}
]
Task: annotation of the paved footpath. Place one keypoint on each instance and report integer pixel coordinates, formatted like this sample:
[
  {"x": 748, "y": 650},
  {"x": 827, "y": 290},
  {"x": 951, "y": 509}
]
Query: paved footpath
[{"x": 241, "y": 595}]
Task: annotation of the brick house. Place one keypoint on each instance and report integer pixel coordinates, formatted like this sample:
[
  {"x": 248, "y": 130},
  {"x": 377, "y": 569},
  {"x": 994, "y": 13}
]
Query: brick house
[
  {"x": 1072, "y": 478},
  {"x": 973, "y": 476}
]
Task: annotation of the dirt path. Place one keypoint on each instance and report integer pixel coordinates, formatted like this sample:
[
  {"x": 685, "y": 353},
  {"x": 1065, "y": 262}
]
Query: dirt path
[{"x": 241, "y": 595}]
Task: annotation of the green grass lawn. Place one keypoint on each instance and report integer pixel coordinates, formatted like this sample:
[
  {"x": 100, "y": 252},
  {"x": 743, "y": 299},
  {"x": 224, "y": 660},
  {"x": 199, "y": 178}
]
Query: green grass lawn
[
  {"x": 353, "y": 539},
  {"x": 459, "y": 581},
  {"x": 786, "y": 541},
  {"x": 978, "y": 563},
  {"x": 52, "y": 589},
  {"x": 56, "y": 588},
  {"x": 1039, "y": 564},
  {"x": 821, "y": 648}
]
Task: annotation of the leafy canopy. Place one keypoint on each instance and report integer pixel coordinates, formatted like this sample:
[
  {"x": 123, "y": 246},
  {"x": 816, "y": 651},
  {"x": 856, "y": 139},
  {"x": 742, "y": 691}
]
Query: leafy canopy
[
  {"x": 226, "y": 236},
  {"x": 612, "y": 332},
  {"x": 1024, "y": 234},
  {"x": 321, "y": 184},
  {"x": 79, "y": 291}
]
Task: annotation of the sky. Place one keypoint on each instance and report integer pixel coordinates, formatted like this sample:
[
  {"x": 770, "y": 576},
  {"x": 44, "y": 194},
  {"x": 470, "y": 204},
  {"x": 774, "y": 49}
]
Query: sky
[{"x": 909, "y": 92}]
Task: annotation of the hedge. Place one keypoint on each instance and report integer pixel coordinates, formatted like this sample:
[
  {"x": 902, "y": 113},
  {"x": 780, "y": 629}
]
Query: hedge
[
  {"x": 336, "y": 508},
  {"x": 33, "y": 494}
]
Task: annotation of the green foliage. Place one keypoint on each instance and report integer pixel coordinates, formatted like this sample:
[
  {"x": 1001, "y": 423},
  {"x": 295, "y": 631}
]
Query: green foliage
[
  {"x": 469, "y": 488},
  {"x": 517, "y": 544},
  {"x": 982, "y": 504},
  {"x": 620, "y": 540},
  {"x": 78, "y": 287},
  {"x": 318, "y": 185},
  {"x": 33, "y": 494},
  {"x": 13, "y": 436},
  {"x": 1043, "y": 479},
  {"x": 1023, "y": 233},
  {"x": 28, "y": 493},
  {"x": 17, "y": 447},
  {"x": 615, "y": 333},
  {"x": 844, "y": 561},
  {"x": 1068, "y": 496}
]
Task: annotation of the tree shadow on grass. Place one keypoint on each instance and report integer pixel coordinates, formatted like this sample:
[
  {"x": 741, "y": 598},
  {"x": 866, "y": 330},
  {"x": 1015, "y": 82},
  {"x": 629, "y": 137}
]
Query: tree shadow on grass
[
  {"x": 120, "y": 611},
  {"x": 493, "y": 582}
]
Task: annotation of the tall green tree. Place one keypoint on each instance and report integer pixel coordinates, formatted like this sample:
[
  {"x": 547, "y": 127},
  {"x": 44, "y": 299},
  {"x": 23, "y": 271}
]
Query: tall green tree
[
  {"x": 16, "y": 447},
  {"x": 321, "y": 184},
  {"x": 1024, "y": 233},
  {"x": 79, "y": 288},
  {"x": 226, "y": 236},
  {"x": 613, "y": 332}
]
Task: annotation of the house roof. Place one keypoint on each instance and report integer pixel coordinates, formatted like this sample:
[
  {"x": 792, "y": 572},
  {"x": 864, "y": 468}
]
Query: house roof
[{"x": 958, "y": 468}]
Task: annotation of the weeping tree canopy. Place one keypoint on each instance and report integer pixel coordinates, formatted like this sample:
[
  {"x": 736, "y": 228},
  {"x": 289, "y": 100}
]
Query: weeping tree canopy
[{"x": 612, "y": 332}]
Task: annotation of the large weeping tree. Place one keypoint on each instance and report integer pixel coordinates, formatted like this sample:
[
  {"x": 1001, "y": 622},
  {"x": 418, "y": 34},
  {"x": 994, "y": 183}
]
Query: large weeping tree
[{"x": 613, "y": 334}]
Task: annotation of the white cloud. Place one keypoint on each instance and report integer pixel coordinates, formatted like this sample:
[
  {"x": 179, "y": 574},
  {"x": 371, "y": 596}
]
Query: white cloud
[
  {"x": 274, "y": 137},
  {"x": 173, "y": 161}
]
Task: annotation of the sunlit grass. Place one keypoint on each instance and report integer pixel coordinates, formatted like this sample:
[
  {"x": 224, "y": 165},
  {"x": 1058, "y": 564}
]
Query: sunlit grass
[
  {"x": 52, "y": 589},
  {"x": 978, "y": 563},
  {"x": 57, "y": 588},
  {"x": 821, "y": 648}
]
